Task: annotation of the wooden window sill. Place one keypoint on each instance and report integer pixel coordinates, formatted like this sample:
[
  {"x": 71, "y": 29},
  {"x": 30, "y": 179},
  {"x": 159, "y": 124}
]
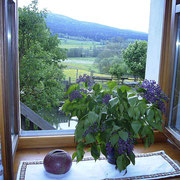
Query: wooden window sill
[{"x": 39, "y": 153}]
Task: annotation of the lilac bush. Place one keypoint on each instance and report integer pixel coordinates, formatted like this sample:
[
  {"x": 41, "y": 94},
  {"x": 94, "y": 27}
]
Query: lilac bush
[{"x": 111, "y": 118}]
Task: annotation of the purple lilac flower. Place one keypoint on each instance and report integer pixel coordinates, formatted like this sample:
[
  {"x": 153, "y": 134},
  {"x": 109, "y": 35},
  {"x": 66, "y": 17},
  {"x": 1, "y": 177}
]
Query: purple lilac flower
[
  {"x": 106, "y": 98},
  {"x": 83, "y": 91},
  {"x": 91, "y": 129},
  {"x": 86, "y": 79},
  {"x": 109, "y": 149},
  {"x": 122, "y": 146},
  {"x": 154, "y": 94},
  {"x": 125, "y": 146},
  {"x": 75, "y": 94}
]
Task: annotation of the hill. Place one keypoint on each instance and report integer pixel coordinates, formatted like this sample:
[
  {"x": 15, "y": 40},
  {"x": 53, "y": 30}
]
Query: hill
[{"x": 64, "y": 25}]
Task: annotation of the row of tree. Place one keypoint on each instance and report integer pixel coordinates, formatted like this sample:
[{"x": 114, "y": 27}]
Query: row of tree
[
  {"x": 41, "y": 74},
  {"x": 84, "y": 52},
  {"x": 122, "y": 57}
]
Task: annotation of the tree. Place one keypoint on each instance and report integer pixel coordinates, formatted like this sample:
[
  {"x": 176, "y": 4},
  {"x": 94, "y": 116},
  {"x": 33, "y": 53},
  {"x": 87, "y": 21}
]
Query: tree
[
  {"x": 40, "y": 56},
  {"x": 111, "y": 54},
  {"x": 135, "y": 58},
  {"x": 118, "y": 70}
]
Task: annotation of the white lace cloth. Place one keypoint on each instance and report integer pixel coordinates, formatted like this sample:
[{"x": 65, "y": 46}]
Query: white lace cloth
[{"x": 156, "y": 165}]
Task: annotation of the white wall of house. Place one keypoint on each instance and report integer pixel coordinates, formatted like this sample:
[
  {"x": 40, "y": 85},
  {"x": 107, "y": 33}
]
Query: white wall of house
[{"x": 154, "y": 39}]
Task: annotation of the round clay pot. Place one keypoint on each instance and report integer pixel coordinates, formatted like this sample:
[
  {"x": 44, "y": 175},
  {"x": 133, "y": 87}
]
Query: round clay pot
[{"x": 57, "y": 162}]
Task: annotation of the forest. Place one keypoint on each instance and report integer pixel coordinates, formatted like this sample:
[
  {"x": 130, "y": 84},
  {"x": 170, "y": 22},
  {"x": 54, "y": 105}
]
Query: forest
[{"x": 65, "y": 26}]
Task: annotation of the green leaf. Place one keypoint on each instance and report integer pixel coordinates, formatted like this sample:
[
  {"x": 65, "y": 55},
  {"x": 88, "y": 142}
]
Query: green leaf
[
  {"x": 114, "y": 101},
  {"x": 123, "y": 135},
  {"x": 104, "y": 109},
  {"x": 115, "y": 128},
  {"x": 111, "y": 85},
  {"x": 80, "y": 155},
  {"x": 90, "y": 139},
  {"x": 95, "y": 151},
  {"x": 121, "y": 107},
  {"x": 132, "y": 157},
  {"x": 80, "y": 151},
  {"x": 97, "y": 87},
  {"x": 92, "y": 117},
  {"x": 79, "y": 131},
  {"x": 142, "y": 107},
  {"x": 150, "y": 114},
  {"x": 74, "y": 155},
  {"x": 125, "y": 88},
  {"x": 136, "y": 125},
  {"x": 149, "y": 139},
  {"x": 137, "y": 112},
  {"x": 103, "y": 149},
  {"x": 131, "y": 112},
  {"x": 145, "y": 131},
  {"x": 114, "y": 139},
  {"x": 71, "y": 88},
  {"x": 133, "y": 100},
  {"x": 80, "y": 146},
  {"x": 122, "y": 162}
]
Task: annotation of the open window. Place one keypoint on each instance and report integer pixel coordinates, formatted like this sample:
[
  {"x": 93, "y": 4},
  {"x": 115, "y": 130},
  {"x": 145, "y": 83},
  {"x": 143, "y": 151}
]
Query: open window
[
  {"x": 9, "y": 90},
  {"x": 169, "y": 70},
  {"x": 9, "y": 84}
]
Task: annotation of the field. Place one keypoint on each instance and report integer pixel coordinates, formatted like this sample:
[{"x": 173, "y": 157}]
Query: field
[
  {"x": 79, "y": 66},
  {"x": 70, "y": 43}
]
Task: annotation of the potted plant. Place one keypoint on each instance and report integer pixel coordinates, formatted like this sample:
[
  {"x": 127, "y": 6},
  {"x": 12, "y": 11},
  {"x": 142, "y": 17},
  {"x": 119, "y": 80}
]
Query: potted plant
[{"x": 110, "y": 119}]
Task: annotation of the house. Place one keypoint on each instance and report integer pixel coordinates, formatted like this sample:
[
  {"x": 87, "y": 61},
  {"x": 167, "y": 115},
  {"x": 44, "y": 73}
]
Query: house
[{"x": 163, "y": 56}]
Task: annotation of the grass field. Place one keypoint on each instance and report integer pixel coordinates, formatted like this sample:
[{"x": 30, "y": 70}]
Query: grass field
[
  {"x": 73, "y": 73},
  {"x": 70, "y": 43},
  {"x": 79, "y": 66},
  {"x": 92, "y": 59}
]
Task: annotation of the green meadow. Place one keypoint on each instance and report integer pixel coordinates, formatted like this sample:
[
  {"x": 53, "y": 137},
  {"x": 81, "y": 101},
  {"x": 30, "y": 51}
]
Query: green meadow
[
  {"x": 76, "y": 66},
  {"x": 71, "y": 43},
  {"x": 79, "y": 66}
]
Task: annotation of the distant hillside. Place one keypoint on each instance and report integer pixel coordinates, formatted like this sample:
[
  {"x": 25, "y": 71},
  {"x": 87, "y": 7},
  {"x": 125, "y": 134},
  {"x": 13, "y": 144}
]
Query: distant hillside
[{"x": 64, "y": 25}]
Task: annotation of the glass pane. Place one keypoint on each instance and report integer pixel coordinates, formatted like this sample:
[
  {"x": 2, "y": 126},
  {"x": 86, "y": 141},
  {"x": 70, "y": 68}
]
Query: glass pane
[
  {"x": 1, "y": 166},
  {"x": 11, "y": 68},
  {"x": 91, "y": 43},
  {"x": 175, "y": 103}
]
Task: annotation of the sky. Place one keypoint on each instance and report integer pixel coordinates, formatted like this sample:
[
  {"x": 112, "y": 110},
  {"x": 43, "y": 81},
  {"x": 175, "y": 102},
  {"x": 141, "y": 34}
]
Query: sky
[{"x": 123, "y": 14}]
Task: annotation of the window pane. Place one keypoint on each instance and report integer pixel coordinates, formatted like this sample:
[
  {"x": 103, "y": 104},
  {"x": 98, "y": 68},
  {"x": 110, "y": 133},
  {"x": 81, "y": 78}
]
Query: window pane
[
  {"x": 175, "y": 103},
  {"x": 1, "y": 166},
  {"x": 88, "y": 43},
  {"x": 11, "y": 69}
]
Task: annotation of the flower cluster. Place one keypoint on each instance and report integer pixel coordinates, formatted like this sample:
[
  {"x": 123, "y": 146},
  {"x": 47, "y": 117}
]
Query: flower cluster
[
  {"x": 109, "y": 149},
  {"x": 74, "y": 95},
  {"x": 86, "y": 79},
  {"x": 125, "y": 146},
  {"x": 122, "y": 147},
  {"x": 94, "y": 129},
  {"x": 106, "y": 98},
  {"x": 91, "y": 129},
  {"x": 83, "y": 91},
  {"x": 153, "y": 94}
]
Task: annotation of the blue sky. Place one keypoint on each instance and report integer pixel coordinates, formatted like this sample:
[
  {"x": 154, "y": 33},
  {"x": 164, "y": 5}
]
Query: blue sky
[{"x": 123, "y": 14}]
